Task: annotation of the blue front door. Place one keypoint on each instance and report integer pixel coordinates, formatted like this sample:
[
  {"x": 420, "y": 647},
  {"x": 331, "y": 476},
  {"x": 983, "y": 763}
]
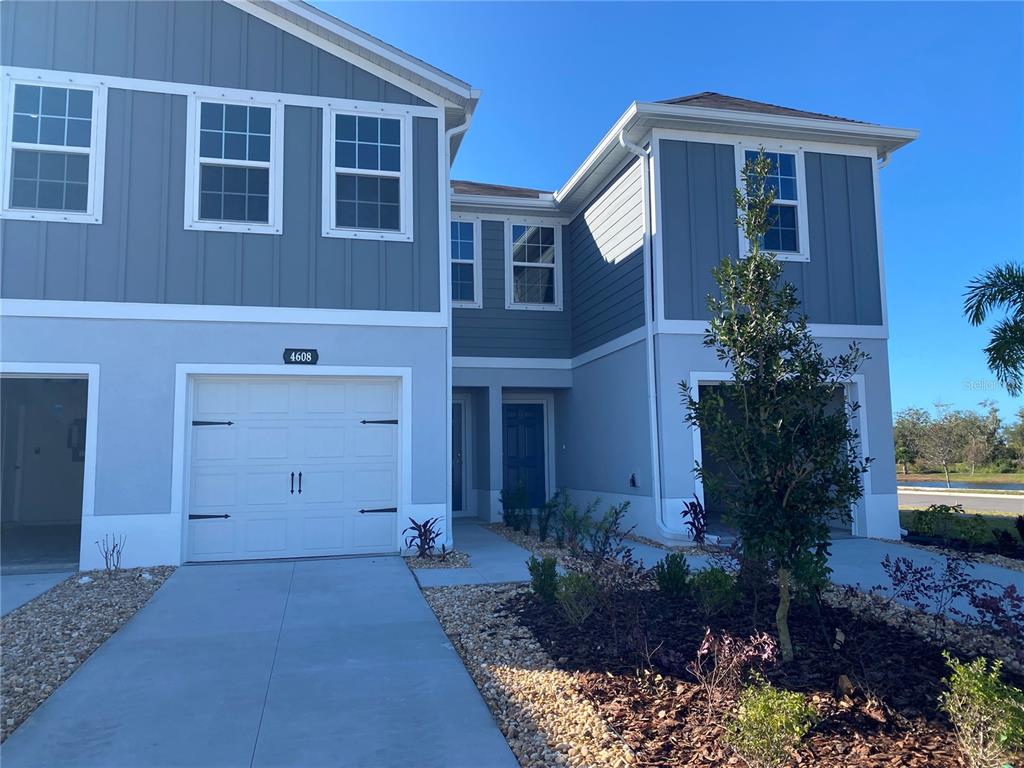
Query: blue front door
[{"x": 524, "y": 450}]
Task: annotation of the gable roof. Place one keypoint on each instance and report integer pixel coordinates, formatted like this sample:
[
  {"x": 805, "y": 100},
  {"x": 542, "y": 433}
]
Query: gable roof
[{"x": 713, "y": 100}]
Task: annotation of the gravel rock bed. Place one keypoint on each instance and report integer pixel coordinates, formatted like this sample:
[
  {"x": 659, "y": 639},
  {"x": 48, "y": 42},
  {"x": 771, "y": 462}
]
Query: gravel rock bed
[
  {"x": 453, "y": 559},
  {"x": 545, "y": 717},
  {"x": 1009, "y": 563},
  {"x": 45, "y": 640}
]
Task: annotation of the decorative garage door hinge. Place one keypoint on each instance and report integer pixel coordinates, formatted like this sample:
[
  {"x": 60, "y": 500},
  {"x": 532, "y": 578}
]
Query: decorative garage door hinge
[
  {"x": 207, "y": 517},
  {"x": 380, "y": 511},
  {"x": 212, "y": 423},
  {"x": 379, "y": 421}
]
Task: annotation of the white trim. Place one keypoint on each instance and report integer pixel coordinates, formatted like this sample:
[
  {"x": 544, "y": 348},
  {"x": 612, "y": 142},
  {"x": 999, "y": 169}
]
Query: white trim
[
  {"x": 545, "y": 363},
  {"x": 477, "y": 262},
  {"x": 463, "y": 400},
  {"x": 803, "y": 254},
  {"x": 123, "y": 310},
  {"x": 752, "y": 140},
  {"x": 91, "y": 373},
  {"x": 510, "y": 303},
  {"x": 65, "y": 78},
  {"x": 184, "y": 375},
  {"x": 877, "y": 193},
  {"x": 818, "y": 330},
  {"x": 96, "y": 151},
  {"x": 330, "y": 173},
  {"x": 547, "y": 401},
  {"x": 455, "y": 87},
  {"x": 627, "y": 339},
  {"x": 193, "y": 161}
]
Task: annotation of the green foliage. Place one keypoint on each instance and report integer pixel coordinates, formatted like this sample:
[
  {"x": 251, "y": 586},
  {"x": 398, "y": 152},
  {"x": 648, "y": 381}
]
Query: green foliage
[
  {"x": 605, "y": 535},
  {"x": 573, "y": 524},
  {"x": 515, "y": 508},
  {"x": 714, "y": 590},
  {"x": 987, "y": 714},
  {"x": 672, "y": 575},
  {"x": 768, "y": 725},
  {"x": 950, "y": 522},
  {"x": 792, "y": 455},
  {"x": 544, "y": 516},
  {"x": 908, "y": 428},
  {"x": 543, "y": 577},
  {"x": 576, "y": 596},
  {"x": 1001, "y": 286}
]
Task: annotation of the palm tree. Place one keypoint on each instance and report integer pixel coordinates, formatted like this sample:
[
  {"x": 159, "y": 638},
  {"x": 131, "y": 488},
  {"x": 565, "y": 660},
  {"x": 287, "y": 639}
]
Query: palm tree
[{"x": 1001, "y": 286}]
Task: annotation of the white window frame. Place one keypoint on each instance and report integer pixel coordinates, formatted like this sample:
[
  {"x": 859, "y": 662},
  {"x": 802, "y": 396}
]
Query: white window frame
[
  {"x": 96, "y": 151},
  {"x": 276, "y": 166},
  {"x": 509, "y": 292},
  {"x": 742, "y": 147},
  {"x": 477, "y": 262},
  {"x": 405, "y": 176}
]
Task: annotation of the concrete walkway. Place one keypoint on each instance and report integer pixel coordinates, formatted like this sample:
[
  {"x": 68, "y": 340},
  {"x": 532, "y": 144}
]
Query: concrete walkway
[
  {"x": 308, "y": 663},
  {"x": 16, "y": 589},
  {"x": 493, "y": 559}
]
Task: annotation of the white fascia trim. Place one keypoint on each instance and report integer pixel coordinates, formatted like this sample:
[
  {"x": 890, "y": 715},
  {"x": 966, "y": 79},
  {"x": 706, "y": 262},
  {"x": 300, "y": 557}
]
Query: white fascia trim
[
  {"x": 193, "y": 160},
  {"x": 330, "y": 173},
  {"x": 458, "y": 91},
  {"x": 477, "y": 302},
  {"x": 543, "y": 363},
  {"x": 609, "y": 142},
  {"x": 184, "y": 373},
  {"x": 557, "y": 268},
  {"x": 96, "y": 151},
  {"x": 88, "y": 79},
  {"x": 117, "y": 310},
  {"x": 740, "y": 148},
  {"x": 878, "y": 235},
  {"x": 91, "y": 373},
  {"x": 513, "y": 206},
  {"x": 609, "y": 347},
  {"x": 818, "y": 330}
]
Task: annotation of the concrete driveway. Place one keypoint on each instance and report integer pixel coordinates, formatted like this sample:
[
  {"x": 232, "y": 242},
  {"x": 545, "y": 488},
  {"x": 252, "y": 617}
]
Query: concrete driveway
[{"x": 308, "y": 663}]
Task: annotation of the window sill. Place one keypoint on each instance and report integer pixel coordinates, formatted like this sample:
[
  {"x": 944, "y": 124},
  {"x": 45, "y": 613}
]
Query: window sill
[
  {"x": 234, "y": 226},
  {"x": 368, "y": 234},
  {"x": 67, "y": 217},
  {"x": 466, "y": 305},
  {"x": 534, "y": 307}
]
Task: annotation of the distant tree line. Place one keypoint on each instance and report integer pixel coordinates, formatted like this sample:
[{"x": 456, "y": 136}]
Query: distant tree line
[{"x": 950, "y": 439}]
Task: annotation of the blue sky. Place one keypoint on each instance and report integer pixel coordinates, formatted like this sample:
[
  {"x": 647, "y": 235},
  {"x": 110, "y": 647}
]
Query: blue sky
[{"x": 555, "y": 76}]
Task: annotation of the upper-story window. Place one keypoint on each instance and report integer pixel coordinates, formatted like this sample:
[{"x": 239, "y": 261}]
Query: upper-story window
[
  {"x": 787, "y": 235},
  {"x": 465, "y": 266},
  {"x": 367, "y": 190},
  {"x": 233, "y": 180},
  {"x": 533, "y": 271},
  {"x": 53, "y": 150}
]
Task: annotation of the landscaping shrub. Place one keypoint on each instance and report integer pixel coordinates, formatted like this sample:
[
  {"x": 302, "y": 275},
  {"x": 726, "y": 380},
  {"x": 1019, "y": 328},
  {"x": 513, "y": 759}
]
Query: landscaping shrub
[
  {"x": 515, "y": 508},
  {"x": 1018, "y": 523},
  {"x": 714, "y": 590},
  {"x": 695, "y": 518},
  {"x": 575, "y": 523},
  {"x": 950, "y": 523},
  {"x": 543, "y": 577},
  {"x": 768, "y": 725},
  {"x": 424, "y": 536},
  {"x": 722, "y": 659},
  {"x": 544, "y": 515},
  {"x": 672, "y": 575},
  {"x": 111, "y": 547},
  {"x": 987, "y": 714},
  {"x": 576, "y": 596},
  {"x": 1006, "y": 542},
  {"x": 605, "y": 537}
]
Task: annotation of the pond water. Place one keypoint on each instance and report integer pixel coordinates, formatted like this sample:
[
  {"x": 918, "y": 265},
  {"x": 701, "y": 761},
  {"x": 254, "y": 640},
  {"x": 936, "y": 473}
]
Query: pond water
[{"x": 962, "y": 485}]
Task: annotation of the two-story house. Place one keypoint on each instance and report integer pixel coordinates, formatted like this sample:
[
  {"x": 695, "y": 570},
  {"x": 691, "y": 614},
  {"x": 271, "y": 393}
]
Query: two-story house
[{"x": 247, "y": 314}]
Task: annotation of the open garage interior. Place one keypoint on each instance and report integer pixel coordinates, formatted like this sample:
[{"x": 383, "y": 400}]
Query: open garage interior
[{"x": 42, "y": 456}]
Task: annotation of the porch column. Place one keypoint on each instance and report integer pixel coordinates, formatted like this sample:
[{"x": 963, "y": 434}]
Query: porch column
[{"x": 494, "y": 451}]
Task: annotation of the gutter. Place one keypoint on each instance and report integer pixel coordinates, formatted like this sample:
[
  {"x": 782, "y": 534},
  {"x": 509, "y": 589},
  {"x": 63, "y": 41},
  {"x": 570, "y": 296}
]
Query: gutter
[{"x": 644, "y": 156}]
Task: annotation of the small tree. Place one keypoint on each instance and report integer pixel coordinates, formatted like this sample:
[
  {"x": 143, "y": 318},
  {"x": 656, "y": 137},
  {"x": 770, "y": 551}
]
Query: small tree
[
  {"x": 907, "y": 433},
  {"x": 792, "y": 456},
  {"x": 945, "y": 438}
]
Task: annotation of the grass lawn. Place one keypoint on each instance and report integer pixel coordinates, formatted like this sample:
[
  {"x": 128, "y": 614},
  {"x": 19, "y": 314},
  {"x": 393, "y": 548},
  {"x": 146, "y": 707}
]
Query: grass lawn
[
  {"x": 982, "y": 478},
  {"x": 994, "y": 520}
]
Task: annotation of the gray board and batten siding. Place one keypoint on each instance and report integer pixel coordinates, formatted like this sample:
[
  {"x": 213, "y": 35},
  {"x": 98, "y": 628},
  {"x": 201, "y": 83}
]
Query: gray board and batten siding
[
  {"x": 840, "y": 284},
  {"x": 141, "y": 251}
]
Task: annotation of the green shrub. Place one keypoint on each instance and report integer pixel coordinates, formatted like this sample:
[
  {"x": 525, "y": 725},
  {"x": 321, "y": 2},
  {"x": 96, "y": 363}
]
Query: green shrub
[
  {"x": 768, "y": 725},
  {"x": 971, "y": 528},
  {"x": 573, "y": 523},
  {"x": 714, "y": 590},
  {"x": 543, "y": 577},
  {"x": 515, "y": 508},
  {"x": 672, "y": 575},
  {"x": 987, "y": 714},
  {"x": 544, "y": 515},
  {"x": 577, "y": 596}
]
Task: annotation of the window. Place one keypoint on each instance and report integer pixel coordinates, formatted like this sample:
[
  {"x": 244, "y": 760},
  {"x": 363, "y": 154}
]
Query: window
[
  {"x": 533, "y": 274},
  {"x": 787, "y": 236},
  {"x": 233, "y": 178},
  {"x": 368, "y": 176},
  {"x": 465, "y": 265},
  {"x": 53, "y": 142}
]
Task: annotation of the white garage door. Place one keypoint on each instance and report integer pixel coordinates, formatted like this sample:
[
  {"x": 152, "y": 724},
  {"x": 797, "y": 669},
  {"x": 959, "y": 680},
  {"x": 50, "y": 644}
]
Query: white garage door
[{"x": 306, "y": 467}]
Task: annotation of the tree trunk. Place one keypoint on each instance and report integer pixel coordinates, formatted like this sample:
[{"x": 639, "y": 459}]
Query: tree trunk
[
  {"x": 782, "y": 616},
  {"x": 945, "y": 468}
]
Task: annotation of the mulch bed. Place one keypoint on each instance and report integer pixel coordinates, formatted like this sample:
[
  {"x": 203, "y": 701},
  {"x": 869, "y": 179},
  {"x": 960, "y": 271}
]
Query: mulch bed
[
  {"x": 453, "y": 559},
  {"x": 48, "y": 638},
  {"x": 891, "y": 718}
]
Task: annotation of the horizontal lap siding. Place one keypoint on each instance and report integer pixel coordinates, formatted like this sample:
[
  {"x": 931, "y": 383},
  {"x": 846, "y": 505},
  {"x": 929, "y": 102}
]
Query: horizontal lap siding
[
  {"x": 605, "y": 263},
  {"x": 141, "y": 252},
  {"x": 492, "y": 330},
  {"x": 840, "y": 283}
]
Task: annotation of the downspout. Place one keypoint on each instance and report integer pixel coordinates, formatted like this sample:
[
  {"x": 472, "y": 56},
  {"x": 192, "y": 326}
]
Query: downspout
[
  {"x": 450, "y": 134},
  {"x": 652, "y": 388}
]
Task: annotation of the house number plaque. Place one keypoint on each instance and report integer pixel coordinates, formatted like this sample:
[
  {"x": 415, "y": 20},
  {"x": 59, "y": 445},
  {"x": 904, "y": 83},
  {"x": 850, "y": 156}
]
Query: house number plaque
[{"x": 301, "y": 356}]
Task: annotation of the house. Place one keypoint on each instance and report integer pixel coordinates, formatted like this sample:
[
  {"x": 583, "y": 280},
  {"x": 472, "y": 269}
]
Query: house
[{"x": 247, "y": 314}]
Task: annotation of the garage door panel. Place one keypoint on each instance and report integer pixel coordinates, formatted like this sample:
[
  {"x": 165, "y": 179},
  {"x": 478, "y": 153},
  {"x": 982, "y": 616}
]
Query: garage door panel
[
  {"x": 373, "y": 533},
  {"x": 216, "y": 397},
  {"x": 214, "y": 490},
  {"x": 266, "y": 442},
  {"x": 326, "y": 442},
  {"x": 369, "y": 398},
  {"x": 266, "y": 535},
  {"x": 323, "y": 487},
  {"x": 212, "y": 538},
  {"x": 214, "y": 444},
  {"x": 327, "y": 397},
  {"x": 268, "y": 488},
  {"x": 373, "y": 485},
  {"x": 321, "y": 533},
  {"x": 374, "y": 441},
  {"x": 269, "y": 398}
]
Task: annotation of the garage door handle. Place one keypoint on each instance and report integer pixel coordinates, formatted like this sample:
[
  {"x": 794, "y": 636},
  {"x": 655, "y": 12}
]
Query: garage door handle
[
  {"x": 380, "y": 511},
  {"x": 208, "y": 517},
  {"x": 293, "y": 483},
  {"x": 300, "y": 482}
]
